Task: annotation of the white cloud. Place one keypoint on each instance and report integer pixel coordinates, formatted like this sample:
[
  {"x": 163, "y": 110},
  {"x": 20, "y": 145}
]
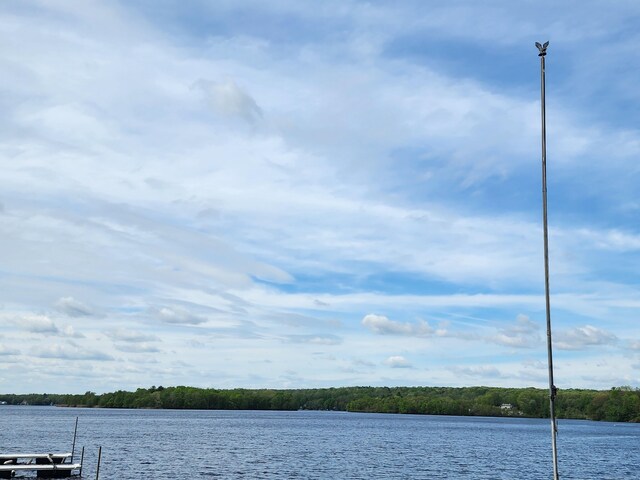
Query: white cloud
[
  {"x": 524, "y": 334},
  {"x": 613, "y": 239},
  {"x": 128, "y": 335},
  {"x": 4, "y": 350},
  {"x": 37, "y": 324},
  {"x": 71, "y": 352},
  {"x": 72, "y": 307},
  {"x": 228, "y": 99},
  {"x": 70, "y": 332},
  {"x": 383, "y": 326},
  {"x": 482, "y": 371},
  {"x": 581, "y": 337},
  {"x": 178, "y": 316},
  {"x": 320, "y": 339},
  {"x": 397, "y": 361},
  {"x": 142, "y": 347},
  {"x": 359, "y": 362}
]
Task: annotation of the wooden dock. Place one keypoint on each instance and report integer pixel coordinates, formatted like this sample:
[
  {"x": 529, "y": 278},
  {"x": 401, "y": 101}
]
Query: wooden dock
[{"x": 46, "y": 465}]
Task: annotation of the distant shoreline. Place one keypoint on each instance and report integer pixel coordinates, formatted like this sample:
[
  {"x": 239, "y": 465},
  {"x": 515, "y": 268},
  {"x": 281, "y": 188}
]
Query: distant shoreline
[{"x": 619, "y": 404}]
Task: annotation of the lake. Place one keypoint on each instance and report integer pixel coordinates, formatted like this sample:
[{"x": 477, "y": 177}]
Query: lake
[{"x": 188, "y": 444}]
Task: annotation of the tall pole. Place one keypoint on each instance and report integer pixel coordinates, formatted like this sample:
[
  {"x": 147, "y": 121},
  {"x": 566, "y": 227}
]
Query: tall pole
[{"x": 552, "y": 388}]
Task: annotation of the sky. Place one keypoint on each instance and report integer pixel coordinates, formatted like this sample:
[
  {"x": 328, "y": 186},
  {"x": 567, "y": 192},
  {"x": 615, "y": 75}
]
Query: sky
[{"x": 294, "y": 194}]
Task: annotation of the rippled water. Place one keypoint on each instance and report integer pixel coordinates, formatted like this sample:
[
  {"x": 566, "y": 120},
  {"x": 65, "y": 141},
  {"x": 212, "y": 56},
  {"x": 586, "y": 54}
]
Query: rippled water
[{"x": 168, "y": 444}]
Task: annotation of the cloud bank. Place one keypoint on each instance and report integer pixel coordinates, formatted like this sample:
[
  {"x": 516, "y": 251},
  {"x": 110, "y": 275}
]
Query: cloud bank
[{"x": 324, "y": 205}]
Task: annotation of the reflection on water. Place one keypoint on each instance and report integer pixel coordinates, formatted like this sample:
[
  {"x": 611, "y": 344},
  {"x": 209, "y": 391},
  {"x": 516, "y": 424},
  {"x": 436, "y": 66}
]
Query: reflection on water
[{"x": 172, "y": 444}]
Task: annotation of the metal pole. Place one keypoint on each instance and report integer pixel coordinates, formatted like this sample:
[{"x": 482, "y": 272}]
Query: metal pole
[
  {"x": 99, "y": 458},
  {"x": 552, "y": 388},
  {"x": 73, "y": 447},
  {"x": 81, "y": 461}
]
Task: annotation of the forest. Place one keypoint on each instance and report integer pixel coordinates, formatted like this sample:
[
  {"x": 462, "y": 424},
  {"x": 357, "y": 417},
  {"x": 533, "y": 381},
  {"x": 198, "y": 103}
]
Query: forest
[{"x": 619, "y": 404}]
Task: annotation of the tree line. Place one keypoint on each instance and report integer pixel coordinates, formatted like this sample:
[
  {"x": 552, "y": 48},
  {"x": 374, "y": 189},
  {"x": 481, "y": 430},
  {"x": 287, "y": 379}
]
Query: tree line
[{"x": 619, "y": 404}]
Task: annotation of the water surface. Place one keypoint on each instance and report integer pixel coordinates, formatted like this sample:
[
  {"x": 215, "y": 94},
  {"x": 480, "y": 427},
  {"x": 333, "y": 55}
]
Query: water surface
[{"x": 188, "y": 444}]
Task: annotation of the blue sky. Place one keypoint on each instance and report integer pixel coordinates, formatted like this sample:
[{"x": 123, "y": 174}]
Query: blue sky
[{"x": 300, "y": 194}]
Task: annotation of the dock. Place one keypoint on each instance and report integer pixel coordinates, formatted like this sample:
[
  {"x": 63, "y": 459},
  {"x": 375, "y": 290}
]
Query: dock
[{"x": 46, "y": 465}]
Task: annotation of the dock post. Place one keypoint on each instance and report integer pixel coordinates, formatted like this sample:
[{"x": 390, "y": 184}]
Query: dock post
[
  {"x": 81, "y": 461},
  {"x": 99, "y": 458},
  {"x": 73, "y": 447}
]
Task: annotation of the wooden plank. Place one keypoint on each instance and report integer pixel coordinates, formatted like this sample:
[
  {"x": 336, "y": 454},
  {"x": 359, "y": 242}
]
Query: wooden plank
[{"x": 33, "y": 466}]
